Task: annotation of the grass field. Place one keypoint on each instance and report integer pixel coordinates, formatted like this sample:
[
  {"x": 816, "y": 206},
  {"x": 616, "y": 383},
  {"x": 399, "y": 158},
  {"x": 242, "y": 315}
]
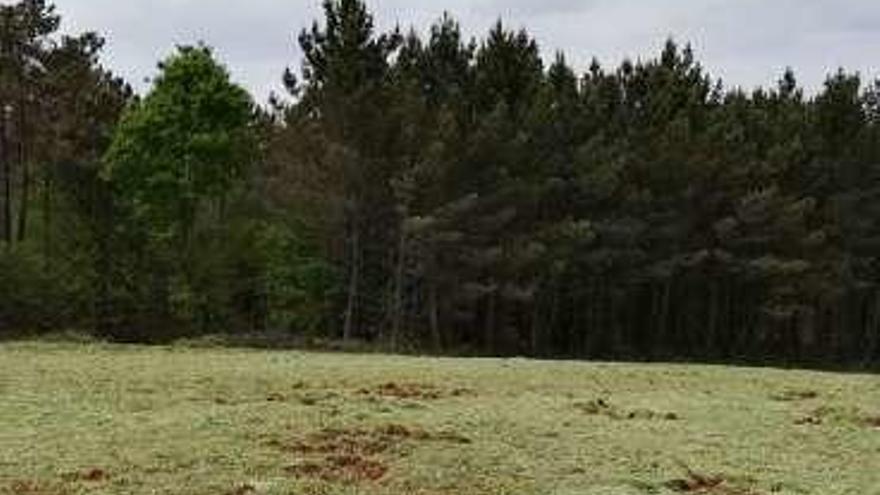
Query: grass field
[{"x": 132, "y": 420}]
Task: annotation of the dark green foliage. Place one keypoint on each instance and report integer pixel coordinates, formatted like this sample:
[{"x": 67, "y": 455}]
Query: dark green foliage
[
  {"x": 642, "y": 212},
  {"x": 435, "y": 192}
]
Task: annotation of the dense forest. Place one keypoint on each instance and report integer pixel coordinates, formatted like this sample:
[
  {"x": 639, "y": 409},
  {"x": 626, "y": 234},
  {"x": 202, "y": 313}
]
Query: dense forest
[{"x": 438, "y": 193}]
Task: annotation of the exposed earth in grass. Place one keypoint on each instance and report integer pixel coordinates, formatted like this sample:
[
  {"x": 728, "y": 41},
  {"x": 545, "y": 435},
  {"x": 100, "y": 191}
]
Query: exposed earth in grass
[{"x": 131, "y": 420}]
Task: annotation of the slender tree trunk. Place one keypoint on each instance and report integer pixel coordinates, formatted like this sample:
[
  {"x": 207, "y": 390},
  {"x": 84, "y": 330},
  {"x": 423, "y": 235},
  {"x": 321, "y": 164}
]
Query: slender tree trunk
[
  {"x": 353, "y": 283},
  {"x": 24, "y": 202},
  {"x": 47, "y": 221},
  {"x": 103, "y": 225},
  {"x": 397, "y": 321},
  {"x": 651, "y": 325},
  {"x": 25, "y": 173},
  {"x": 434, "y": 316},
  {"x": 712, "y": 334},
  {"x": 728, "y": 320},
  {"x": 490, "y": 322},
  {"x": 160, "y": 294},
  {"x": 591, "y": 329},
  {"x": 575, "y": 341},
  {"x": 552, "y": 323},
  {"x": 662, "y": 339},
  {"x": 6, "y": 178},
  {"x": 873, "y": 330},
  {"x": 536, "y": 321}
]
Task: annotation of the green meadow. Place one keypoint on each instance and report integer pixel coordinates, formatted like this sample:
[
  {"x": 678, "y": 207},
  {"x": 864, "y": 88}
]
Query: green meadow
[{"x": 100, "y": 419}]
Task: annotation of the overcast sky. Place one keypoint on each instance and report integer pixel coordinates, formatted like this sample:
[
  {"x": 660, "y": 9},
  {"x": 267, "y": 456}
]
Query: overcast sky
[{"x": 746, "y": 42}]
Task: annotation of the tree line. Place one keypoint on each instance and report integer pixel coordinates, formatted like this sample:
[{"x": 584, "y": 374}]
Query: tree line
[{"x": 434, "y": 192}]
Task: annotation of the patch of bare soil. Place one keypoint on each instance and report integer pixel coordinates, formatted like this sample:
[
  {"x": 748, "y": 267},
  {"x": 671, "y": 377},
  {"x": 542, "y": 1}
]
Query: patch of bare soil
[
  {"x": 355, "y": 455},
  {"x": 316, "y": 398},
  {"x": 809, "y": 420},
  {"x": 695, "y": 482},
  {"x": 872, "y": 421},
  {"x": 824, "y": 414},
  {"x": 93, "y": 475},
  {"x": 276, "y": 397},
  {"x": 602, "y": 407},
  {"x": 839, "y": 415},
  {"x": 24, "y": 487},
  {"x": 243, "y": 490},
  {"x": 795, "y": 395},
  {"x": 300, "y": 394},
  {"x": 341, "y": 468},
  {"x": 415, "y": 391}
]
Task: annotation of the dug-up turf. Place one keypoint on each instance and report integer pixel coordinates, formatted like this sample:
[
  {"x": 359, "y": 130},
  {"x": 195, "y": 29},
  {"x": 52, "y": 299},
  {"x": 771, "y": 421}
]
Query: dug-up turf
[
  {"x": 699, "y": 483},
  {"x": 795, "y": 395},
  {"x": 833, "y": 415},
  {"x": 414, "y": 391},
  {"x": 80, "y": 480},
  {"x": 355, "y": 455},
  {"x": 602, "y": 407},
  {"x": 22, "y": 487}
]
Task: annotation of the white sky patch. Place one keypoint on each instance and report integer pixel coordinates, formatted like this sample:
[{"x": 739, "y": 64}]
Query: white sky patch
[{"x": 745, "y": 42}]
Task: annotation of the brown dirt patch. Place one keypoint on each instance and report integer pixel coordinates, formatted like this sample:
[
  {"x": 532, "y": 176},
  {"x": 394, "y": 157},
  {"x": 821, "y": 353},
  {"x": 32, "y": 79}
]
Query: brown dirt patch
[
  {"x": 808, "y": 421},
  {"x": 872, "y": 421},
  {"x": 341, "y": 468},
  {"x": 415, "y": 391},
  {"x": 316, "y": 398},
  {"x": 304, "y": 397},
  {"x": 795, "y": 395},
  {"x": 355, "y": 455},
  {"x": 839, "y": 415},
  {"x": 695, "y": 482},
  {"x": 363, "y": 441},
  {"x": 24, "y": 487},
  {"x": 602, "y": 407},
  {"x": 243, "y": 490},
  {"x": 333, "y": 441},
  {"x": 92, "y": 475}
]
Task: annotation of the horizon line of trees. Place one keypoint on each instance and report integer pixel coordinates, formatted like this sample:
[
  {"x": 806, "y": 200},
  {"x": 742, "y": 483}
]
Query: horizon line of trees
[{"x": 439, "y": 193}]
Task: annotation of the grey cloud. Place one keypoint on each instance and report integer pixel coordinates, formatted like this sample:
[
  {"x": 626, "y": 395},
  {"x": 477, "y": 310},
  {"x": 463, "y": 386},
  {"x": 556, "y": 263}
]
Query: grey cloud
[
  {"x": 534, "y": 8},
  {"x": 746, "y": 42}
]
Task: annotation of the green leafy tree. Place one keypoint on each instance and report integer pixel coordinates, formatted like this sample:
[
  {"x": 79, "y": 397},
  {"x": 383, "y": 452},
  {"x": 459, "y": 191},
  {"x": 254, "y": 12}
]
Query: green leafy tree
[
  {"x": 176, "y": 158},
  {"x": 184, "y": 145}
]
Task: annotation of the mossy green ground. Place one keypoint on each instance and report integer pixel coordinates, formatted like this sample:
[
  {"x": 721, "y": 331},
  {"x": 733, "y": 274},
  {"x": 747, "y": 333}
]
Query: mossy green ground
[{"x": 134, "y": 420}]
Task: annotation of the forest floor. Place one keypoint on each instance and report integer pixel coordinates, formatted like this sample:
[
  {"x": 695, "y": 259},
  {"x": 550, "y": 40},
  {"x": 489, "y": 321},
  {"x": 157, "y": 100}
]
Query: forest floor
[{"x": 100, "y": 419}]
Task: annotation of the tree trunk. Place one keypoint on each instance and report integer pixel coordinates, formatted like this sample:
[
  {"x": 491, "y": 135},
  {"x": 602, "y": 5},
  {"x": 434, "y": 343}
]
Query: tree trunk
[
  {"x": 24, "y": 202},
  {"x": 434, "y": 317},
  {"x": 103, "y": 264},
  {"x": 535, "y": 324},
  {"x": 552, "y": 321},
  {"x": 397, "y": 320},
  {"x": 160, "y": 298},
  {"x": 873, "y": 329},
  {"x": 591, "y": 329},
  {"x": 6, "y": 179},
  {"x": 47, "y": 222},
  {"x": 353, "y": 284},
  {"x": 662, "y": 334},
  {"x": 712, "y": 334},
  {"x": 25, "y": 174},
  {"x": 490, "y": 322}
]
